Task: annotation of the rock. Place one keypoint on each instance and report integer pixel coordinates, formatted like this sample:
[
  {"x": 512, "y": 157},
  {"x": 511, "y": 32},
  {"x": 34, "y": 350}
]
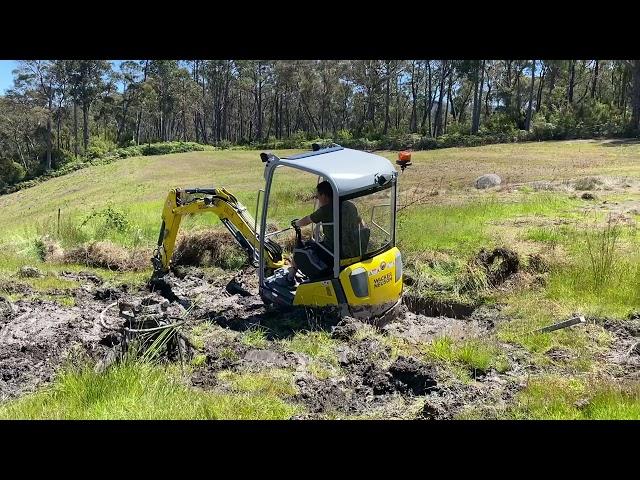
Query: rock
[
  {"x": 29, "y": 272},
  {"x": 343, "y": 355},
  {"x": 588, "y": 196},
  {"x": 487, "y": 181},
  {"x": 265, "y": 357}
]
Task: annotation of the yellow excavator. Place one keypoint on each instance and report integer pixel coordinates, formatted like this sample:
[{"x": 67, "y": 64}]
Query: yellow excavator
[{"x": 364, "y": 282}]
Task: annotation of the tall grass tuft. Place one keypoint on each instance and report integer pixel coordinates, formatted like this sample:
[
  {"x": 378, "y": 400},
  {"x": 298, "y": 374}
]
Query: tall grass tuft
[{"x": 601, "y": 249}]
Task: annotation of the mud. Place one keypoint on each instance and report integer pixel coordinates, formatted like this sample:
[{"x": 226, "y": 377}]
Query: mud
[
  {"x": 39, "y": 337},
  {"x": 623, "y": 358},
  {"x": 431, "y": 307}
]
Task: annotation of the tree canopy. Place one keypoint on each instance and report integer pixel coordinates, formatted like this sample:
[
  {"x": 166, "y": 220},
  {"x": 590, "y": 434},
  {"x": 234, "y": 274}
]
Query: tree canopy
[{"x": 62, "y": 110}]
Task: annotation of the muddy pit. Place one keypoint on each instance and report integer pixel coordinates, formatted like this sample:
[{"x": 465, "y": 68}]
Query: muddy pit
[{"x": 37, "y": 338}]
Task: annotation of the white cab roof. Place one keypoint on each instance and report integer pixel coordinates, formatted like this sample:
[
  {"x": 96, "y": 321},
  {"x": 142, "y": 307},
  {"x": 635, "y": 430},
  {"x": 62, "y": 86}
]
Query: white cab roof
[{"x": 350, "y": 170}]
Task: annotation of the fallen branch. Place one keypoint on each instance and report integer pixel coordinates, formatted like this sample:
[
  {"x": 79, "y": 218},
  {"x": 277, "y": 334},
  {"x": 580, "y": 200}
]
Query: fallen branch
[
  {"x": 101, "y": 320},
  {"x": 634, "y": 347},
  {"x": 560, "y": 325}
]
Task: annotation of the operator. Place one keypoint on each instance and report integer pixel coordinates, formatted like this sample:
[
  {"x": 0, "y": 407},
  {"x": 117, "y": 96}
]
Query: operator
[{"x": 351, "y": 222}]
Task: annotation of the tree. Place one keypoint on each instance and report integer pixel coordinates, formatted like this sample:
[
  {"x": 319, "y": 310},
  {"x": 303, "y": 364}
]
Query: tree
[
  {"x": 88, "y": 84},
  {"x": 635, "y": 102},
  {"x": 527, "y": 124},
  {"x": 39, "y": 75}
]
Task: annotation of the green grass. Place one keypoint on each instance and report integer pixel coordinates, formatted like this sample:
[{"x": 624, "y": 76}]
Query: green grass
[
  {"x": 528, "y": 311},
  {"x": 463, "y": 229},
  {"x": 548, "y": 235},
  {"x": 317, "y": 345},
  {"x": 273, "y": 382},
  {"x": 255, "y": 337},
  {"x": 477, "y": 355},
  {"x": 140, "y": 391},
  {"x": 321, "y": 350},
  {"x": 574, "y": 287},
  {"x": 560, "y": 398}
]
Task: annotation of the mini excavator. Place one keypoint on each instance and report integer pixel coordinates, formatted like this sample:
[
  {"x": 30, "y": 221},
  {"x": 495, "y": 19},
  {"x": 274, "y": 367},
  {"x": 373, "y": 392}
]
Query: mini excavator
[{"x": 365, "y": 282}]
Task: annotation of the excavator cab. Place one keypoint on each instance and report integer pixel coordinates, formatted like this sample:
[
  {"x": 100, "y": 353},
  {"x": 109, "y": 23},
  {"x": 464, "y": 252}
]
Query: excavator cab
[{"x": 360, "y": 276}]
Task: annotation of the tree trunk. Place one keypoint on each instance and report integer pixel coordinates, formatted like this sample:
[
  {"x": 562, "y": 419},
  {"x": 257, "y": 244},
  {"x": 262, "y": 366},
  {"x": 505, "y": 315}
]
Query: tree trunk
[
  {"x": 85, "y": 126},
  {"x": 438, "y": 120},
  {"x": 75, "y": 129},
  {"x": 58, "y": 122},
  {"x": 541, "y": 83},
  {"x": 446, "y": 110},
  {"x": 413, "y": 122},
  {"x": 426, "y": 116},
  {"x": 139, "y": 119},
  {"x": 635, "y": 105},
  {"x": 527, "y": 124},
  {"x": 453, "y": 110},
  {"x": 477, "y": 99},
  {"x": 595, "y": 79},
  {"x": 507, "y": 100},
  {"x": 49, "y": 143},
  {"x": 487, "y": 97},
  {"x": 572, "y": 78},
  {"x": 387, "y": 101}
]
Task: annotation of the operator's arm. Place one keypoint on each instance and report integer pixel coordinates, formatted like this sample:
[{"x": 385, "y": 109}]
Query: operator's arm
[{"x": 303, "y": 222}]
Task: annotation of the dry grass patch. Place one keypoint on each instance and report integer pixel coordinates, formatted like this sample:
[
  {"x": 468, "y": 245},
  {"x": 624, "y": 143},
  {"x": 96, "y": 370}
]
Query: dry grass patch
[
  {"x": 108, "y": 255},
  {"x": 215, "y": 248}
]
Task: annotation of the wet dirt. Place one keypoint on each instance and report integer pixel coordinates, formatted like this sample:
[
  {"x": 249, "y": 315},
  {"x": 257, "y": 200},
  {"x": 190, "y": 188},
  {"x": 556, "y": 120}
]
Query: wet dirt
[
  {"x": 432, "y": 307},
  {"x": 623, "y": 358},
  {"x": 38, "y": 338}
]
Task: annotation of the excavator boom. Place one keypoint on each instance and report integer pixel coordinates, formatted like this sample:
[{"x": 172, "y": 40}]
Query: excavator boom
[{"x": 232, "y": 214}]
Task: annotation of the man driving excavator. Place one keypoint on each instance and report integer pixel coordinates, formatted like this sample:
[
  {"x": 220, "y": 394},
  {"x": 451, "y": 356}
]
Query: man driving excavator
[{"x": 351, "y": 224}]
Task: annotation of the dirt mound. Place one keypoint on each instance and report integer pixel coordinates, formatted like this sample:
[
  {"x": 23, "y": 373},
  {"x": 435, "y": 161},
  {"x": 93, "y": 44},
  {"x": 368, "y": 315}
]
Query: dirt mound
[
  {"x": 50, "y": 250},
  {"x": 108, "y": 255},
  {"x": 498, "y": 264},
  {"x": 29, "y": 272},
  {"x": 346, "y": 328},
  {"x": 206, "y": 248},
  {"x": 587, "y": 183}
]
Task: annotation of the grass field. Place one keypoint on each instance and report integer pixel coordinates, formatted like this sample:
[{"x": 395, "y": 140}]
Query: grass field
[{"x": 591, "y": 264}]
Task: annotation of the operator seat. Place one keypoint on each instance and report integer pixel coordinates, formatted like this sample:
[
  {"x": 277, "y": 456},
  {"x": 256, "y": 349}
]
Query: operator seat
[
  {"x": 310, "y": 263},
  {"x": 365, "y": 236}
]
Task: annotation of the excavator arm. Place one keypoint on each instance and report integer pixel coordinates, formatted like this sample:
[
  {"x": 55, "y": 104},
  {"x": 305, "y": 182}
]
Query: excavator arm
[{"x": 233, "y": 214}]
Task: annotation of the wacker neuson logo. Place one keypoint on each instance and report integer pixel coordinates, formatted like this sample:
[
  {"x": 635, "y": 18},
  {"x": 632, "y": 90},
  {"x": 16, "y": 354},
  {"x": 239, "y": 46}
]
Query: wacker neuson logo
[{"x": 378, "y": 282}]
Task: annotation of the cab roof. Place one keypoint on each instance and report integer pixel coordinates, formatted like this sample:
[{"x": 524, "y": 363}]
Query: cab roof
[{"x": 350, "y": 170}]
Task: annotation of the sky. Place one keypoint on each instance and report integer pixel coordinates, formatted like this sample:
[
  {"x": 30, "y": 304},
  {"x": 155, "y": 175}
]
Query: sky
[
  {"x": 7, "y": 66},
  {"x": 6, "y": 78}
]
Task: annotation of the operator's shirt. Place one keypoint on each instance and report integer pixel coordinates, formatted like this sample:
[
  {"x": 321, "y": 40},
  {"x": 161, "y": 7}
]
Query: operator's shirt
[{"x": 350, "y": 227}]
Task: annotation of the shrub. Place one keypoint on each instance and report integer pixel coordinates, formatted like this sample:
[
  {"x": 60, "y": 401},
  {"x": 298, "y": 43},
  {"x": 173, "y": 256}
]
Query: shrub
[
  {"x": 12, "y": 172},
  {"x": 98, "y": 147}
]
